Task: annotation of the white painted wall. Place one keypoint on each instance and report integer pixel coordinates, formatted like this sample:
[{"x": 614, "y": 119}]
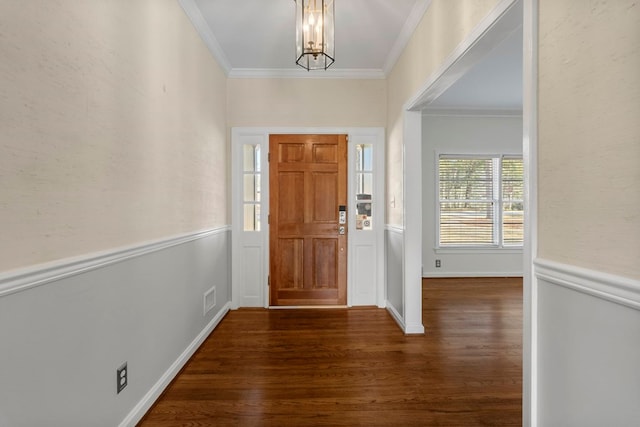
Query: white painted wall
[{"x": 464, "y": 134}]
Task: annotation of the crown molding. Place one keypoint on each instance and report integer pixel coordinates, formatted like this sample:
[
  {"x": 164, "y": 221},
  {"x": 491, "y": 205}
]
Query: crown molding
[
  {"x": 405, "y": 35},
  {"x": 299, "y": 73},
  {"x": 195, "y": 16},
  {"x": 472, "y": 112}
]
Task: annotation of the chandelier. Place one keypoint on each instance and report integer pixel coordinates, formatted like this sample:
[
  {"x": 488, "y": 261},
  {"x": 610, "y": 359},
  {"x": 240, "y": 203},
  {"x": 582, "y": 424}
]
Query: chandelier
[{"x": 315, "y": 43}]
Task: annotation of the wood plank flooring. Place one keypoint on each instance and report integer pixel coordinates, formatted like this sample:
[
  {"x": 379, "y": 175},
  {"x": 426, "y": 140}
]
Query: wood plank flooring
[{"x": 339, "y": 367}]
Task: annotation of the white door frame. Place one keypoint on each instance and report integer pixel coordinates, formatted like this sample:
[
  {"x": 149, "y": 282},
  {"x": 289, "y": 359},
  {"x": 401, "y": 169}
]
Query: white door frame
[{"x": 250, "y": 250}]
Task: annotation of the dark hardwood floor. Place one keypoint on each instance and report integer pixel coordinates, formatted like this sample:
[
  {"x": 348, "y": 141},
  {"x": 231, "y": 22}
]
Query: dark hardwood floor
[{"x": 339, "y": 367}]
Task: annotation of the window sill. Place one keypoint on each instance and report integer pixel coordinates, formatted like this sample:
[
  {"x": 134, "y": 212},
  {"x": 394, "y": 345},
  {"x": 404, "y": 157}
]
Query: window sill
[{"x": 478, "y": 250}]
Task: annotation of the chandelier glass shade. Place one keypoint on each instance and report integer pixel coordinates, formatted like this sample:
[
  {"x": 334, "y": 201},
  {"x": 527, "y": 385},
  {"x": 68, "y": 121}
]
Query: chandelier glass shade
[{"x": 315, "y": 42}]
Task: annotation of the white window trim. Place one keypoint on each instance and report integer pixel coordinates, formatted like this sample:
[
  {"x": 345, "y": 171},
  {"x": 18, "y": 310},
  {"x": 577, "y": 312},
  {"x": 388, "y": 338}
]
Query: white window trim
[{"x": 475, "y": 248}]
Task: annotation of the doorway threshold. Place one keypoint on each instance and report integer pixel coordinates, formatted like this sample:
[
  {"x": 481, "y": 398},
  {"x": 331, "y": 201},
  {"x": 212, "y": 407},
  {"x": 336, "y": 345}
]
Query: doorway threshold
[{"x": 295, "y": 307}]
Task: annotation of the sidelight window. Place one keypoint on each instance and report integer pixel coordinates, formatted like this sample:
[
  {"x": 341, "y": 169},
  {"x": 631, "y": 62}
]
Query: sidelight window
[
  {"x": 364, "y": 186},
  {"x": 251, "y": 186}
]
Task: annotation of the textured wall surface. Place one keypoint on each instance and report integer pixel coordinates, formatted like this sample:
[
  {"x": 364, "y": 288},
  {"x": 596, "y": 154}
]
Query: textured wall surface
[
  {"x": 445, "y": 24},
  {"x": 589, "y": 134},
  {"x": 307, "y": 102},
  {"x": 112, "y": 128}
]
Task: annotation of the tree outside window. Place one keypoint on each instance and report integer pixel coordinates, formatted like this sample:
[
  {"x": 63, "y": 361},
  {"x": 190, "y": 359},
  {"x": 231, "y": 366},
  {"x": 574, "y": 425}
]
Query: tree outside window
[{"x": 480, "y": 201}]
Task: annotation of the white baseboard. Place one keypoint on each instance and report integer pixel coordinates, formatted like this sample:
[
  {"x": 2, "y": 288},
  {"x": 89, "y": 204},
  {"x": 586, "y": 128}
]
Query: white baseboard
[
  {"x": 152, "y": 395},
  {"x": 396, "y": 316},
  {"x": 407, "y": 329},
  {"x": 444, "y": 275},
  {"x": 414, "y": 329}
]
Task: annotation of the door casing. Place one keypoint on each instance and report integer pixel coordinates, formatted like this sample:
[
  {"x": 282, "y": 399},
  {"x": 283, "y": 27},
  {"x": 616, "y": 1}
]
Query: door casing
[{"x": 250, "y": 250}]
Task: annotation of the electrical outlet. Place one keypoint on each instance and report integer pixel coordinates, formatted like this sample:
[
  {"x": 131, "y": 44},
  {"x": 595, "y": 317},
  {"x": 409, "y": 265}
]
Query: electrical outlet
[
  {"x": 438, "y": 263},
  {"x": 122, "y": 375}
]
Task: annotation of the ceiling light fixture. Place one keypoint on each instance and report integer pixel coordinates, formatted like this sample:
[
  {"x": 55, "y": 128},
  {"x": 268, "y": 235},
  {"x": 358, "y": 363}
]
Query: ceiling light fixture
[{"x": 315, "y": 42}]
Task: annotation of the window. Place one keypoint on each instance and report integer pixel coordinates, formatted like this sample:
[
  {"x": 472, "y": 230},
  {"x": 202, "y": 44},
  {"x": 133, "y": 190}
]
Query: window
[
  {"x": 251, "y": 186},
  {"x": 364, "y": 186},
  {"x": 480, "y": 201}
]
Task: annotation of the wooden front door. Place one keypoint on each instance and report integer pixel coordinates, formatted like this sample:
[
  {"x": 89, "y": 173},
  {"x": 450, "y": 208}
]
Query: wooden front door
[{"x": 308, "y": 187}]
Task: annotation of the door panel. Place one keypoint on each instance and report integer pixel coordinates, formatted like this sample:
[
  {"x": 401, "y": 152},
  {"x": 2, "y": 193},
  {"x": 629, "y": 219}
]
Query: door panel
[
  {"x": 322, "y": 154},
  {"x": 291, "y": 185},
  {"x": 325, "y": 260},
  {"x": 324, "y": 188},
  {"x": 308, "y": 184},
  {"x": 290, "y": 263}
]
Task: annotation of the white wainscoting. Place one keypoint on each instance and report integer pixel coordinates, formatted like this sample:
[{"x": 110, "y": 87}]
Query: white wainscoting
[
  {"x": 588, "y": 347},
  {"x": 66, "y": 327},
  {"x": 394, "y": 241}
]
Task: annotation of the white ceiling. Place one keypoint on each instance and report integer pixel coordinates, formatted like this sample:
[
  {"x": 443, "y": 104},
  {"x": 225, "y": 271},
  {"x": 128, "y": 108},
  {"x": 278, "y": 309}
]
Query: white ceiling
[
  {"x": 255, "y": 38},
  {"x": 258, "y": 36},
  {"x": 494, "y": 83}
]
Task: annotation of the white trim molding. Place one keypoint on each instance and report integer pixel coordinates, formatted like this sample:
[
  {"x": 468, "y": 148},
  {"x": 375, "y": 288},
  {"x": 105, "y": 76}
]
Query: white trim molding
[
  {"x": 38, "y": 275},
  {"x": 469, "y": 52},
  {"x": 299, "y": 73},
  {"x": 530, "y": 248},
  {"x": 398, "y": 229},
  {"x": 412, "y": 239},
  {"x": 408, "y": 29},
  {"x": 194, "y": 14},
  {"x": 610, "y": 287},
  {"x": 471, "y": 112},
  {"x": 396, "y": 316},
  {"x": 445, "y": 275}
]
